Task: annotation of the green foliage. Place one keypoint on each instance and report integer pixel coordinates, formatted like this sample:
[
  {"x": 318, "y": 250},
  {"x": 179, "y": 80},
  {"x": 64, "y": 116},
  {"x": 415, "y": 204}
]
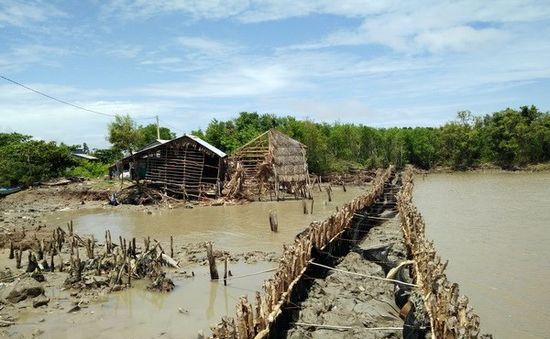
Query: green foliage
[
  {"x": 108, "y": 155},
  {"x": 88, "y": 169},
  {"x": 24, "y": 161},
  {"x": 149, "y": 134},
  {"x": 124, "y": 134},
  {"x": 508, "y": 138}
]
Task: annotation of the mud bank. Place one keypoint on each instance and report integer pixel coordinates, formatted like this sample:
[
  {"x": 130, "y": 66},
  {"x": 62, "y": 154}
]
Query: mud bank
[{"x": 347, "y": 306}]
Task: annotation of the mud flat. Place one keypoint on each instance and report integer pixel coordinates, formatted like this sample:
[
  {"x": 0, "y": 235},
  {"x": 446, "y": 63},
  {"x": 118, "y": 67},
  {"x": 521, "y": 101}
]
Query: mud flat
[
  {"x": 349, "y": 306},
  {"x": 196, "y": 302}
]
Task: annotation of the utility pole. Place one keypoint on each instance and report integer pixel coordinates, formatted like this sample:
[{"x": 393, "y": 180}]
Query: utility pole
[{"x": 158, "y": 127}]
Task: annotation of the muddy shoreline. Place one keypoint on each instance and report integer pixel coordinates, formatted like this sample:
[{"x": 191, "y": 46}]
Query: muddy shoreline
[{"x": 26, "y": 217}]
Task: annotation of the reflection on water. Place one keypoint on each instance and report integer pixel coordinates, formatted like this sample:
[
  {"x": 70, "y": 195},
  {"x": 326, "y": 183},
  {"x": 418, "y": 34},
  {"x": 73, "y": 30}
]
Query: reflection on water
[{"x": 493, "y": 229}]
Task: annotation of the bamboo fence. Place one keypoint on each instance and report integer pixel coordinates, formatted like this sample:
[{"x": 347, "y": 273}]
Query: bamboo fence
[
  {"x": 449, "y": 313},
  {"x": 256, "y": 321}
]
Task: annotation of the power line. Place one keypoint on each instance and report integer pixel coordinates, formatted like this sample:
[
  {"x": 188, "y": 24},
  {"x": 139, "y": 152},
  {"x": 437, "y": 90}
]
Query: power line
[{"x": 56, "y": 99}]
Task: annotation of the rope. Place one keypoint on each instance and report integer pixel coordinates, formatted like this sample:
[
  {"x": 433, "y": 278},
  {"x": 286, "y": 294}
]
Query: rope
[
  {"x": 251, "y": 274},
  {"x": 334, "y": 327},
  {"x": 363, "y": 275}
]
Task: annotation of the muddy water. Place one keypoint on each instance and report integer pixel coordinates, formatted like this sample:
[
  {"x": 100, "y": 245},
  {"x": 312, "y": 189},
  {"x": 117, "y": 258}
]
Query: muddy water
[
  {"x": 235, "y": 228},
  {"x": 494, "y": 230},
  {"x": 196, "y": 303}
]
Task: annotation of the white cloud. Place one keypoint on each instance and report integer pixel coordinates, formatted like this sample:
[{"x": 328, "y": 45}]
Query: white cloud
[
  {"x": 241, "y": 82},
  {"x": 18, "y": 13},
  {"x": 22, "y": 56},
  {"x": 205, "y": 45},
  {"x": 461, "y": 38},
  {"x": 124, "y": 51}
]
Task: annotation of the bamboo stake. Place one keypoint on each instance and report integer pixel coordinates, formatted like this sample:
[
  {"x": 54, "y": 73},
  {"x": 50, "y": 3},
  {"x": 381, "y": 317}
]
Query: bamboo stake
[
  {"x": 11, "y": 256},
  {"x": 18, "y": 255},
  {"x": 211, "y": 262},
  {"x": 171, "y": 246},
  {"x": 273, "y": 223},
  {"x": 225, "y": 271}
]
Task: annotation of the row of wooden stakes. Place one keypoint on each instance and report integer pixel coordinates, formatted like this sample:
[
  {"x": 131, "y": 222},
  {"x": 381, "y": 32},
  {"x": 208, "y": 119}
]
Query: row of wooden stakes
[
  {"x": 255, "y": 321},
  {"x": 118, "y": 261},
  {"x": 450, "y": 315}
]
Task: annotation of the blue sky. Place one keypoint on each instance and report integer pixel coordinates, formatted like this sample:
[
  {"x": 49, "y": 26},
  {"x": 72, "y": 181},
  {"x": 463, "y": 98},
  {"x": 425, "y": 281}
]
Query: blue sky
[{"x": 379, "y": 63}]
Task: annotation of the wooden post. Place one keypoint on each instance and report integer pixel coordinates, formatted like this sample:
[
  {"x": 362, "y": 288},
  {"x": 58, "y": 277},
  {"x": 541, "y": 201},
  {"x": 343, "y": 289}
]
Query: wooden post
[
  {"x": 329, "y": 193},
  {"x": 211, "y": 262},
  {"x": 304, "y": 206},
  {"x": 311, "y": 209},
  {"x": 129, "y": 273},
  {"x": 107, "y": 249},
  {"x": 344, "y": 185},
  {"x": 52, "y": 265},
  {"x": 319, "y": 183},
  {"x": 18, "y": 255},
  {"x": 273, "y": 223},
  {"x": 11, "y": 256},
  {"x": 89, "y": 248},
  {"x": 134, "y": 253},
  {"x": 171, "y": 247},
  {"x": 93, "y": 246},
  {"x": 41, "y": 249},
  {"x": 225, "y": 272},
  {"x": 60, "y": 239},
  {"x": 146, "y": 243}
]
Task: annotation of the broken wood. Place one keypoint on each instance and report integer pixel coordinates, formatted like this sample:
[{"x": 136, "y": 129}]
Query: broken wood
[{"x": 211, "y": 262}]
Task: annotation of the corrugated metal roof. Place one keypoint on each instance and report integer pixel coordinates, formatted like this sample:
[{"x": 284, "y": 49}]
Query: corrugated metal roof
[
  {"x": 214, "y": 149},
  {"x": 84, "y": 156},
  {"x": 159, "y": 142}
]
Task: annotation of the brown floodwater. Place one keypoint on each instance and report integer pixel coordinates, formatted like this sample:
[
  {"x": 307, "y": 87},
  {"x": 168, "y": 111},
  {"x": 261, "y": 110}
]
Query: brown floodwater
[
  {"x": 196, "y": 303},
  {"x": 494, "y": 230},
  {"x": 234, "y": 228}
]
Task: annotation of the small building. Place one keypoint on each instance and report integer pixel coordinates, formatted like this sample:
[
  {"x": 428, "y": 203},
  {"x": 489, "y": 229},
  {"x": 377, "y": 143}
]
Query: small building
[
  {"x": 271, "y": 162},
  {"x": 187, "y": 166}
]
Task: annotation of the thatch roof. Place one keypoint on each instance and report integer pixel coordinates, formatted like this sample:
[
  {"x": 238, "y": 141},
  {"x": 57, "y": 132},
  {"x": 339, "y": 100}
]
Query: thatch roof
[{"x": 285, "y": 155}]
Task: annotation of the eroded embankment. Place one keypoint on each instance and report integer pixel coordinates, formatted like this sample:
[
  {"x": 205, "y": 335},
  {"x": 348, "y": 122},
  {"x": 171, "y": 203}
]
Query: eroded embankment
[
  {"x": 449, "y": 313},
  {"x": 279, "y": 291}
]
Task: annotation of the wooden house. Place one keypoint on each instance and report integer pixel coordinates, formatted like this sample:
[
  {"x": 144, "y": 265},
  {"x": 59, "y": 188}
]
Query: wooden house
[
  {"x": 273, "y": 162},
  {"x": 186, "y": 165}
]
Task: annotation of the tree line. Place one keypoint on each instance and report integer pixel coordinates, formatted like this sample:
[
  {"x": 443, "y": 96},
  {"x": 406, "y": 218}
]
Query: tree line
[
  {"x": 509, "y": 139},
  {"x": 25, "y": 161}
]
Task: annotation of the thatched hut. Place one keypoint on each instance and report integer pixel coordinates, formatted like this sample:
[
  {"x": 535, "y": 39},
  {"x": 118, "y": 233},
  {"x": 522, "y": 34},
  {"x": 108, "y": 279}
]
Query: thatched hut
[
  {"x": 271, "y": 162},
  {"x": 186, "y": 166}
]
